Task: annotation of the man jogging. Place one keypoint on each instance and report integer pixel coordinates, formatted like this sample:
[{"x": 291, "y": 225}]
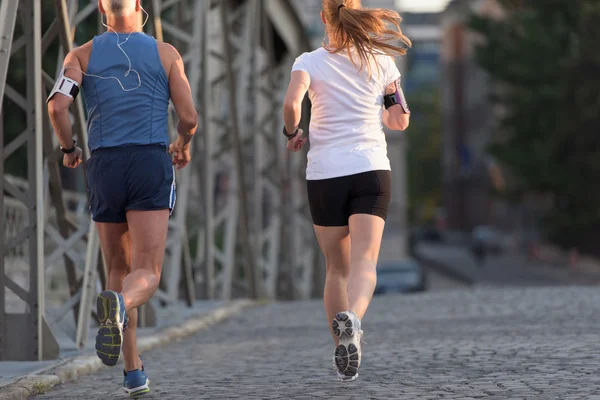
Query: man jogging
[{"x": 128, "y": 79}]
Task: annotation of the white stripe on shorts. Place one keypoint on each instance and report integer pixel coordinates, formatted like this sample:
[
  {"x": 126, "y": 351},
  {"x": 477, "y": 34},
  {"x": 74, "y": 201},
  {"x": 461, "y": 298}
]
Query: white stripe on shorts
[{"x": 173, "y": 194}]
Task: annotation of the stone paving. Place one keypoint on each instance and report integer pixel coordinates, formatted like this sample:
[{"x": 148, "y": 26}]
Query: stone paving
[{"x": 520, "y": 343}]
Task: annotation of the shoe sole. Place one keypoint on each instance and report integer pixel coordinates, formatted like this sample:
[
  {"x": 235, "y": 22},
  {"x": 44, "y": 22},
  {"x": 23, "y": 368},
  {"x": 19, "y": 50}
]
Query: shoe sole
[
  {"x": 139, "y": 391},
  {"x": 346, "y": 357},
  {"x": 110, "y": 336}
]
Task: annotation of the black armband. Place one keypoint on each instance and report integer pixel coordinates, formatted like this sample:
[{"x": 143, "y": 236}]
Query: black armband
[{"x": 390, "y": 100}]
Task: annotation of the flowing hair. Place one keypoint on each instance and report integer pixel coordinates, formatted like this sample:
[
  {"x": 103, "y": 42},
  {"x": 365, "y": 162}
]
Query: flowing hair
[{"x": 369, "y": 31}]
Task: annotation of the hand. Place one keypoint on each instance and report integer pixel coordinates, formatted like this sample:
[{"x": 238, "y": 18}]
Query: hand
[
  {"x": 72, "y": 160},
  {"x": 297, "y": 142},
  {"x": 181, "y": 152}
]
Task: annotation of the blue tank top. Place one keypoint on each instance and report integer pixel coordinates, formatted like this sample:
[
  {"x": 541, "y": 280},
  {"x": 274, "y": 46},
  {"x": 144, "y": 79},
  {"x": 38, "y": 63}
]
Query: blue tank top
[{"x": 118, "y": 118}]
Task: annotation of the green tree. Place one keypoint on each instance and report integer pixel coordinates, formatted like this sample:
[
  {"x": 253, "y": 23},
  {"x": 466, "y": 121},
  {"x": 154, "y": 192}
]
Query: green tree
[
  {"x": 423, "y": 155},
  {"x": 543, "y": 55}
]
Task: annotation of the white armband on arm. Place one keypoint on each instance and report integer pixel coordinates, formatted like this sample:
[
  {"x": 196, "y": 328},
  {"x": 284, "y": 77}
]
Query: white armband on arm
[{"x": 64, "y": 85}]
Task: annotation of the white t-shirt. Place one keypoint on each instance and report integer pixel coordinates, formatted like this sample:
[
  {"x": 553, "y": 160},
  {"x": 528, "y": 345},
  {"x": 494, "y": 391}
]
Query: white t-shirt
[{"x": 346, "y": 131}]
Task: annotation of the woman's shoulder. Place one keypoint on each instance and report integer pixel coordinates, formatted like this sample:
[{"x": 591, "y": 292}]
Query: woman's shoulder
[
  {"x": 319, "y": 52},
  {"x": 307, "y": 61},
  {"x": 314, "y": 55},
  {"x": 387, "y": 63},
  {"x": 384, "y": 59}
]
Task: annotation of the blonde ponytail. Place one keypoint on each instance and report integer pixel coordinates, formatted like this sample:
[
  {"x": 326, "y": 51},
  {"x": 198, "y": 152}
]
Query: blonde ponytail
[{"x": 369, "y": 31}]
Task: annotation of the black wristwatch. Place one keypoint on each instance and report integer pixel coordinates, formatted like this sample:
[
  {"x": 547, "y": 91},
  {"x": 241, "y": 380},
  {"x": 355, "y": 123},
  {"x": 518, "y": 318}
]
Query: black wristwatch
[
  {"x": 69, "y": 151},
  {"x": 293, "y": 135}
]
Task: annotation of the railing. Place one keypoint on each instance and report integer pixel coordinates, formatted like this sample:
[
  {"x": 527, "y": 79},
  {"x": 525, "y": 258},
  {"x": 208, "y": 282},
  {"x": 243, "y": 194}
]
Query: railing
[{"x": 240, "y": 227}]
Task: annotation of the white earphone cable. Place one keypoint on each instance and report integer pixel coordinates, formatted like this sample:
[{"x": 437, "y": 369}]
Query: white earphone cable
[{"x": 119, "y": 44}]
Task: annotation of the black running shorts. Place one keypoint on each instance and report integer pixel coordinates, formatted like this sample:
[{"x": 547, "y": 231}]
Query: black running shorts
[{"x": 332, "y": 201}]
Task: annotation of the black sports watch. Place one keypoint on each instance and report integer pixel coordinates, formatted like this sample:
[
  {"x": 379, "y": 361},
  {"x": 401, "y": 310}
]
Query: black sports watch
[
  {"x": 69, "y": 151},
  {"x": 293, "y": 135}
]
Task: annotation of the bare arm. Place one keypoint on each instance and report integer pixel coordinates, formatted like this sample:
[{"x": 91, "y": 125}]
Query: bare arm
[
  {"x": 292, "y": 105},
  {"x": 58, "y": 106},
  {"x": 394, "y": 122},
  {"x": 395, "y": 117},
  {"x": 181, "y": 95}
]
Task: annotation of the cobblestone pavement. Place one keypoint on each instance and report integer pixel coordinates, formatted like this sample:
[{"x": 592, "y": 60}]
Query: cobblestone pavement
[{"x": 520, "y": 343}]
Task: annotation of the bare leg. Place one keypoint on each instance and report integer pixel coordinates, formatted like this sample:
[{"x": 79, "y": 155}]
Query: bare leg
[
  {"x": 148, "y": 230},
  {"x": 335, "y": 244},
  {"x": 116, "y": 248},
  {"x": 366, "y": 232}
]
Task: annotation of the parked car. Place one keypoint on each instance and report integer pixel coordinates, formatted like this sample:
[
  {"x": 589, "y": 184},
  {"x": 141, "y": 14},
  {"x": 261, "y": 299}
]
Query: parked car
[{"x": 403, "y": 276}]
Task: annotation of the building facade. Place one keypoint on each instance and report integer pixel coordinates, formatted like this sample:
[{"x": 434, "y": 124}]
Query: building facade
[{"x": 468, "y": 119}]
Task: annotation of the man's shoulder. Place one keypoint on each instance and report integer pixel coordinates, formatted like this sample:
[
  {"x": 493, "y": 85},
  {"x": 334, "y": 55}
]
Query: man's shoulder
[
  {"x": 84, "y": 49},
  {"x": 167, "y": 51},
  {"x": 168, "y": 55},
  {"x": 82, "y": 53}
]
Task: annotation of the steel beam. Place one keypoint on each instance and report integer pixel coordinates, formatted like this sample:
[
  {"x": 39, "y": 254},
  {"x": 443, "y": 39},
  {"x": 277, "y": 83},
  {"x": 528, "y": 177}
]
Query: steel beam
[
  {"x": 36, "y": 165},
  {"x": 8, "y": 17},
  {"x": 281, "y": 13},
  {"x": 177, "y": 262},
  {"x": 232, "y": 195},
  {"x": 82, "y": 310},
  {"x": 2, "y": 251},
  {"x": 249, "y": 252},
  {"x": 28, "y": 328},
  {"x": 205, "y": 176},
  {"x": 216, "y": 180}
]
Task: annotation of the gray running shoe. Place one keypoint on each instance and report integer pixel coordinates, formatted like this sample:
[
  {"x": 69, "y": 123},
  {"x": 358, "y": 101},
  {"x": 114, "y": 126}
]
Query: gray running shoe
[{"x": 347, "y": 356}]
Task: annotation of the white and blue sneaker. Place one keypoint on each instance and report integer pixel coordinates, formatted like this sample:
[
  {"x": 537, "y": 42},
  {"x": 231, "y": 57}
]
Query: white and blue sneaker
[
  {"x": 110, "y": 309},
  {"x": 136, "y": 383},
  {"x": 347, "y": 356}
]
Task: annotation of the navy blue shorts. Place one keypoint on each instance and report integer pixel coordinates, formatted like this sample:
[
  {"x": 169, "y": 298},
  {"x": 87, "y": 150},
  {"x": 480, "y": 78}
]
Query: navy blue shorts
[{"x": 120, "y": 179}]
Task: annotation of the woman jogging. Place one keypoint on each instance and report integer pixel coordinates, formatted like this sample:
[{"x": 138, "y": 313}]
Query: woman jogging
[
  {"x": 128, "y": 79},
  {"x": 354, "y": 86}
]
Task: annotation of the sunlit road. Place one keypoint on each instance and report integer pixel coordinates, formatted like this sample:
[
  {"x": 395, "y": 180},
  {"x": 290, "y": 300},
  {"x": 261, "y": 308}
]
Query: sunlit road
[
  {"x": 438, "y": 281},
  {"x": 537, "y": 343}
]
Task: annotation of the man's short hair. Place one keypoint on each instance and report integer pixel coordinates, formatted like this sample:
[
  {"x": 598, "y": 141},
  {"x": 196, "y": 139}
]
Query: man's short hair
[{"x": 119, "y": 7}]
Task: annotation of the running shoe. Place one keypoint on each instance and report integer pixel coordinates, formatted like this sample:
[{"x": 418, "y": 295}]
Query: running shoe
[
  {"x": 347, "y": 356},
  {"x": 113, "y": 322},
  {"x": 135, "y": 382}
]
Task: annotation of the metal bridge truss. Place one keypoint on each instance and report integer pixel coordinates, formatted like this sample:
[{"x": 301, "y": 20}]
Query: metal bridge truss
[{"x": 240, "y": 226}]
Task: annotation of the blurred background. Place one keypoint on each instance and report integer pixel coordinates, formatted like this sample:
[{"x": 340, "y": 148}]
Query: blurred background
[{"x": 494, "y": 181}]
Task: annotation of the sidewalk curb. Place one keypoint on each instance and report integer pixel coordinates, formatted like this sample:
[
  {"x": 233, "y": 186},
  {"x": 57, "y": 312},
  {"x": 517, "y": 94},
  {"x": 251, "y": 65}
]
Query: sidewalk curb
[
  {"x": 76, "y": 367},
  {"x": 444, "y": 269}
]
